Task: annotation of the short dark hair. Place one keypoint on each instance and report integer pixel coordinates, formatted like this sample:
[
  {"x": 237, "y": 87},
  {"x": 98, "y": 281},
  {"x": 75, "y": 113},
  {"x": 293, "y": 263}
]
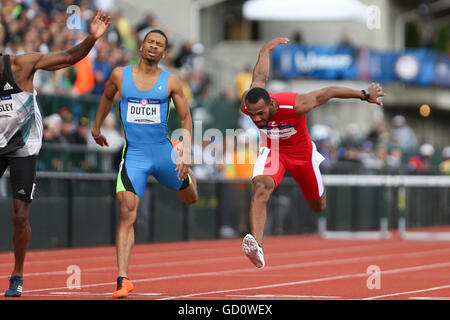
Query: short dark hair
[
  {"x": 161, "y": 33},
  {"x": 256, "y": 94}
]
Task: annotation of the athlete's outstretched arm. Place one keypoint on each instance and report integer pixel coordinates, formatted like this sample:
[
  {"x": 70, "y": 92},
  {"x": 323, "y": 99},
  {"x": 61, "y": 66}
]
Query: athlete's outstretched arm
[
  {"x": 306, "y": 102},
  {"x": 262, "y": 68},
  {"x": 62, "y": 59},
  {"x": 106, "y": 103},
  {"x": 182, "y": 106}
]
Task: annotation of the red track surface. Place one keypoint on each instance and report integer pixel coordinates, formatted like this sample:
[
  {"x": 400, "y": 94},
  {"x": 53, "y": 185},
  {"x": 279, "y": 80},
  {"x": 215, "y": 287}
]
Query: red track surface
[{"x": 298, "y": 268}]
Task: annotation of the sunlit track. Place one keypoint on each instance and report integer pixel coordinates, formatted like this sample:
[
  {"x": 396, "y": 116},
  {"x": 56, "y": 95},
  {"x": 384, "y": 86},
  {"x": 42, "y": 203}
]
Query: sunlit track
[{"x": 298, "y": 268}]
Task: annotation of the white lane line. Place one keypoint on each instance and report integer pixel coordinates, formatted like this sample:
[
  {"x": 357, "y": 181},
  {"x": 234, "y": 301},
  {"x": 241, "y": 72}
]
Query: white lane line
[
  {"x": 429, "y": 298},
  {"x": 407, "y": 292},
  {"x": 225, "y": 259},
  {"x": 280, "y": 296},
  {"x": 280, "y": 267},
  {"x": 340, "y": 277},
  {"x": 109, "y": 294},
  {"x": 184, "y": 250}
]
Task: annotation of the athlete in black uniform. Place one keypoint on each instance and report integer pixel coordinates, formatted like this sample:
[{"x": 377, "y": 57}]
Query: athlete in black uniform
[{"x": 21, "y": 132}]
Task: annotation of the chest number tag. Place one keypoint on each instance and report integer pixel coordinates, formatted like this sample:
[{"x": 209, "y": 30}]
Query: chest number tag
[{"x": 143, "y": 111}]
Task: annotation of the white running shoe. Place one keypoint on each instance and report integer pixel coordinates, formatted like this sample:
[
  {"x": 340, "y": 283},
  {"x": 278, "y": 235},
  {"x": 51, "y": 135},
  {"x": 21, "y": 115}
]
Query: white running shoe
[{"x": 253, "y": 251}]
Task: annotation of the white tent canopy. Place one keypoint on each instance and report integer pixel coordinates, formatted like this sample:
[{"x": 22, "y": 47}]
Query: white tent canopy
[{"x": 308, "y": 10}]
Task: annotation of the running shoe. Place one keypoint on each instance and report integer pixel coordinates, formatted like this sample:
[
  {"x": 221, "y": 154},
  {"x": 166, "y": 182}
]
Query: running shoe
[
  {"x": 253, "y": 251},
  {"x": 15, "y": 287},
  {"x": 124, "y": 287}
]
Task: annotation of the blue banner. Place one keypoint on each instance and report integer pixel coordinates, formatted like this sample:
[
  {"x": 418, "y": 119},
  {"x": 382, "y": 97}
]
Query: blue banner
[
  {"x": 330, "y": 62},
  {"x": 322, "y": 61},
  {"x": 442, "y": 71}
]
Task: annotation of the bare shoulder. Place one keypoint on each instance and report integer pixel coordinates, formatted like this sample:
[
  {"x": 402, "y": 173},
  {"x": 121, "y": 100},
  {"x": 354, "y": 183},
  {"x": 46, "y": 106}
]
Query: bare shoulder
[
  {"x": 117, "y": 75},
  {"x": 174, "y": 83},
  {"x": 117, "y": 72},
  {"x": 174, "y": 79}
]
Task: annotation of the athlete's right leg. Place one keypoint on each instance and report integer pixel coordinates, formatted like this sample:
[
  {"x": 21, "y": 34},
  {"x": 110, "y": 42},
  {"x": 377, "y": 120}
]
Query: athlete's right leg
[
  {"x": 263, "y": 187},
  {"x": 129, "y": 203},
  {"x": 131, "y": 182}
]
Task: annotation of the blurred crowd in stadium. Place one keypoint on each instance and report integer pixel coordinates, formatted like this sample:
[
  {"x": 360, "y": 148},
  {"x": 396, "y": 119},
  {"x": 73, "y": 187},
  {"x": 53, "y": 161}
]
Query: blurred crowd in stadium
[{"x": 41, "y": 25}]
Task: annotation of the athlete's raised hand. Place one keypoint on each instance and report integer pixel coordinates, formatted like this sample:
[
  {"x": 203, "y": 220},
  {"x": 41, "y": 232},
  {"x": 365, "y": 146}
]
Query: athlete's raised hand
[
  {"x": 272, "y": 44},
  {"x": 375, "y": 92},
  {"x": 99, "y": 25}
]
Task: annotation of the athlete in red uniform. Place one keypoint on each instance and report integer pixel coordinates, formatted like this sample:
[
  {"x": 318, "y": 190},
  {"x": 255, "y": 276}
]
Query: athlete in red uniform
[{"x": 286, "y": 145}]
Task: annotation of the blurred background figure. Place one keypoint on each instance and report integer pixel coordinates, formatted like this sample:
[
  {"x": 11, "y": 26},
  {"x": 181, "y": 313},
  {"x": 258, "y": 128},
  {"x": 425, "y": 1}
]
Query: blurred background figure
[
  {"x": 444, "y": 166},
  {"x": 402, "y": 134},
  {"x": 243, "y": 81},
  {"x": 421, "y": 163}
]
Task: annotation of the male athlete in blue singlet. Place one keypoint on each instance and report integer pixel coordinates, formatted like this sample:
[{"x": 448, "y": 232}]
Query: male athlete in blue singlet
[{"x": 145, "y": 91}]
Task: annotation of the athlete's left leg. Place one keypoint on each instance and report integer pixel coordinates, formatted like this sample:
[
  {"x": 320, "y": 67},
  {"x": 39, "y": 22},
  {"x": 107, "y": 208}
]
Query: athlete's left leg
[
  {"x": 22, "y": 176},
  {"x": 308, "y": 176},
  {"x": 317, "y": 205},
  {"x": 23, "y": 173},
  {"x": 165, "y": 173},
  {"x": 21, "y": 234}
]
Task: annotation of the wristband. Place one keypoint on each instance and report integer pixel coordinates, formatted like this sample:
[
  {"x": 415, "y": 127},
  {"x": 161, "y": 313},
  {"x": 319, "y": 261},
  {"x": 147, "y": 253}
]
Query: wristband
[
  {"x": 96, "y": 137},
  {"x": 366, "y": 94}
]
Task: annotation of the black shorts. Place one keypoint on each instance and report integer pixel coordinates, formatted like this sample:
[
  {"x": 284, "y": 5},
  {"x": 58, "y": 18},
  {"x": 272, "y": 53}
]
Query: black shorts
[{"x": 22, "y": 175}]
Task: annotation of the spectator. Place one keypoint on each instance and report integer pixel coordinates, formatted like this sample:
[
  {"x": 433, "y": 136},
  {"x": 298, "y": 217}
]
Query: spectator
[
  {"x": 50, "y": 157},
  {"x": 394, "y": 159},
  {"x": 102, "y": 71},
  {"x": 444, "y": 166},
  {"x": 67, "y": 129},
  {"x": 402, "y": 134},
  {"x": 79, "y": 137},
  {"x": 378, "y": 133},
  {"x": 367, "y": 155},
  {"x": 84, "y": 82},
  {"x": 297, "y": 38},
  {"x": 63, "y": 80},
  {"x": 183, "y": 56},
  {"x": 420, "y": 163},
  {"x": 380, "y": 157},
  {"x": 345, "y": 38},
  {"x": 243, "y": 81}
]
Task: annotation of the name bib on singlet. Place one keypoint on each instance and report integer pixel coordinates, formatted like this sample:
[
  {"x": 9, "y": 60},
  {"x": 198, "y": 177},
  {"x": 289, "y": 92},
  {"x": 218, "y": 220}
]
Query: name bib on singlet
[
  {"x": 7, "y": 108},
  {"x": 143, "y": 111},
  {"x": 280, "y": 132}
]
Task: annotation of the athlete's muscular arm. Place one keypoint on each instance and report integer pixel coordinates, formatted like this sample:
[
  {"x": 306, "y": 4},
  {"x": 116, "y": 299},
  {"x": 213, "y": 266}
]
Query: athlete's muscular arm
[
  {"x": 262, "y": 68},
  {"x": 58, "y": 60},
  {"x": 306, "y": 102},
  {"x": 106, "y": 103},
  {"x": 182, "y": 106}
]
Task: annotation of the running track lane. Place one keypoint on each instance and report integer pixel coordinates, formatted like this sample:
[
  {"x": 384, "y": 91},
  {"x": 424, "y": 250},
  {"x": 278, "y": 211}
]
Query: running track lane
[{"x": 298, "y": 267}]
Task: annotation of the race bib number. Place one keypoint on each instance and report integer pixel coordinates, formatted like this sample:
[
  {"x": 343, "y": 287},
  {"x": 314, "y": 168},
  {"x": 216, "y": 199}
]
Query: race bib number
[
  {"x": 7, "y": 107},
  {"x": 143, "y": 111}
]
